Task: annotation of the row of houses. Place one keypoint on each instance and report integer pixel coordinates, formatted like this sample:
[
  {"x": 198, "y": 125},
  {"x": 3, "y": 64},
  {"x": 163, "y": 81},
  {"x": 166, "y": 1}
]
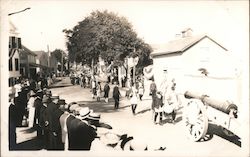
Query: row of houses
[{"x": 26, "y": 63}]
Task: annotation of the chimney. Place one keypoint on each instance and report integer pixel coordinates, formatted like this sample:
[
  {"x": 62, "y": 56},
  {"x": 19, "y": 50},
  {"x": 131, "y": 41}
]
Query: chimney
[{"x": 187, "y": 32}]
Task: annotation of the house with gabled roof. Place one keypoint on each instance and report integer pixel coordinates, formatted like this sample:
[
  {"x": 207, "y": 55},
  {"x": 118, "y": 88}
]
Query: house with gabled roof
[
  {"x": 196, "y": 62},
  {"x": 42, "y": 59},
  {"x": 14, "y": 59},
  {"x": 28, "y": 63}
]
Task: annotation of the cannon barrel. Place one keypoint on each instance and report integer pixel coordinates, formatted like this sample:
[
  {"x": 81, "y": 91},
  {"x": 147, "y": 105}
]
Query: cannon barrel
[{"x": 224, "y": 106}]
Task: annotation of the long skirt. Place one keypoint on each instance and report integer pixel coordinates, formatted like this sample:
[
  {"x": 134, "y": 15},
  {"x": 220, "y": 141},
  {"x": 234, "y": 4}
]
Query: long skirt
[{"x": 31, "y": 116}]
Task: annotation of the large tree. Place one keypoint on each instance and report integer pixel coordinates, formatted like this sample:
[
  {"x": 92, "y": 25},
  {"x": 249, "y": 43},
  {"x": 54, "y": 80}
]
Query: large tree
[
  {"x": 107, "y": 35},
  {"x": 58, "y": 55}
]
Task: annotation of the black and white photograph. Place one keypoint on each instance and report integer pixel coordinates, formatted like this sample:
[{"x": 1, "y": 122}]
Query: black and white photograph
[{"x": 124, "y": 78}]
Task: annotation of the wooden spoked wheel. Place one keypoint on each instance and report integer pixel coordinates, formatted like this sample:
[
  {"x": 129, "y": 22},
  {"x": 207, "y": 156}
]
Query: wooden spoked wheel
[{"x": 196, "y": 120}]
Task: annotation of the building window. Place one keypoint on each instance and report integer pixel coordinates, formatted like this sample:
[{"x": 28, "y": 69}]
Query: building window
[
  {"x": 11, "y": 81},
  {"x": 10, "y": 65},
  {"x": 19, "y": 43},
  {"x": 16, "y": 64},
  {"x": 13, "y": 42}
]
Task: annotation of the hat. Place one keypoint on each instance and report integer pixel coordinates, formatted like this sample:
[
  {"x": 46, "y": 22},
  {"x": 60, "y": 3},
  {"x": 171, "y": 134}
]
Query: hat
[
  {"x": 32, "y": 93},
  {"x": 77, "y": 109},
  {"x": 94, "y": 116},
  {"x": 84, "y": 112},
  {"x": 45, "y": 99},
  {"x": 72, "y": 107},
  {"x": 136, "y": 145},
  {"x": 110, "y": 138},
  {"x": 54, "y": 97},
  {"x": 72, "y": 103},
  {"x": 61, "y": 101}
]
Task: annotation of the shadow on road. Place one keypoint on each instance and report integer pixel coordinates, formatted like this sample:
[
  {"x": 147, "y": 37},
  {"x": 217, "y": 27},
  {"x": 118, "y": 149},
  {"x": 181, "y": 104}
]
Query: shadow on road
[
  {"x": 216, "y": 130},
  {"x": 60, "y": 86},
  {"x": 143, "y": 111},
  {"x": 101, "y": 107}
]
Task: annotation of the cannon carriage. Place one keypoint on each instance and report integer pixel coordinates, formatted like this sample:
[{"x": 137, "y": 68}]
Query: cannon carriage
[{"x": 201, "y": 110}]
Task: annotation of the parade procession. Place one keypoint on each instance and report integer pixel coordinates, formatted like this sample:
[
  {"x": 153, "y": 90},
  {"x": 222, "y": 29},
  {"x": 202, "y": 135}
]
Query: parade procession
[{"x": 100, "y": 77}]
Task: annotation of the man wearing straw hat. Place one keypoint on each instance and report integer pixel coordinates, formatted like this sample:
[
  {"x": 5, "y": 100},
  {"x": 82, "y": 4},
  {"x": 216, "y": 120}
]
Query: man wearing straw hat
[
  {"x": 80, "y": 133},
  {"x": 63, "y": 122}
]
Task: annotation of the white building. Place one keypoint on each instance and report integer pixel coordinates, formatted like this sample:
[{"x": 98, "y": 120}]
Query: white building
[
  {"x": 14, "y": 58},
  {"x": 188, "y": 57}
]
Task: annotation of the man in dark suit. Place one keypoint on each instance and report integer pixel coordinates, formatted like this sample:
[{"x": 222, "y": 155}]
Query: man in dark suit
[
  {"x": 38, "y": 104},
  {"x": 56, "y": 122},
  {"x": 53, "y": 123},
  {"x": 13, "y": 118},
  {"x": 44, "y": 121},
  {"x": 80, "y": 133},
  {"x": 116, "y": 95}
]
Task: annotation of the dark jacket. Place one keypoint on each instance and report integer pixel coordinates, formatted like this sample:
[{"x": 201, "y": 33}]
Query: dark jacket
[
  {"x": 43, "y": 117},
  {"x": 153, "y": 88},
  {"x": 157, "y": 102},
  {"x": 51, "y": 115},
  {"x": 106, "y": 90},
  {"x": 80, "y": 134},
  {"x": 38, "y": 104},
  {"x": 116, "y": 93}
]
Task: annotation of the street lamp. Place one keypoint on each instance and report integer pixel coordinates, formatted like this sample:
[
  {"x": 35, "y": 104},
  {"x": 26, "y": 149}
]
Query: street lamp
[{"x": 18, "y": 11}]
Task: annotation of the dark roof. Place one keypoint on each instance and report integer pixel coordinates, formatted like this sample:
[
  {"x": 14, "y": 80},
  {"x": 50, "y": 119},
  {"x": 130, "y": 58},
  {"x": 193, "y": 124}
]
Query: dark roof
[
  {"x": 39, "y": 53},
  {"x": 25, "y": 49},
  {"x": 180, "y": 45}
]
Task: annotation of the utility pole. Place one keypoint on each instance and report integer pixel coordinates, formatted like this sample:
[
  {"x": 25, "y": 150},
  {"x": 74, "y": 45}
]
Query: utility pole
[
  {"x": 62, "y": 64},
  {"x": 48, "y": 58}
]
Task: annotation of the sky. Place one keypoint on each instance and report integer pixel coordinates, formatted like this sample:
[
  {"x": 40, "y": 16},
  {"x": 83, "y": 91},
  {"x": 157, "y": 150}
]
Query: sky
[{"x": 156, "y": 22}]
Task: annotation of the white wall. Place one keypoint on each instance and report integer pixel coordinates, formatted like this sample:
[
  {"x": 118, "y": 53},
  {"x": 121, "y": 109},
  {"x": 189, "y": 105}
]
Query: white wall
[
  {"x": 221, "y": 81},
  {"x": 173, "y": 64}
]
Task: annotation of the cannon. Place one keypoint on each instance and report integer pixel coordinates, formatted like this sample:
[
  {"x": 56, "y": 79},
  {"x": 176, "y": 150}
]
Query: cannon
[{"x": 201, "y": 110}]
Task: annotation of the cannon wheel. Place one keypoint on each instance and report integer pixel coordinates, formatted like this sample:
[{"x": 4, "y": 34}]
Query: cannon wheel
[{"x": 196, "y": 120}]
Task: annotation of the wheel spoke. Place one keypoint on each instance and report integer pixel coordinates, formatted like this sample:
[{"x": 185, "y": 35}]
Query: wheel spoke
[{"x": 196, "y": 120}]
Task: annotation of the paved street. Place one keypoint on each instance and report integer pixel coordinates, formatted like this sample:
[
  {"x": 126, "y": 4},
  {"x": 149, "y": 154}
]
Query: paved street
[{"x": 141, "y": 126}]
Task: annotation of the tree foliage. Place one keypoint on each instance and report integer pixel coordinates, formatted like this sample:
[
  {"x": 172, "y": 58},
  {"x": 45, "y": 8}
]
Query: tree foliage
[
  {"x": 58, "y": 54},
  {"x": 107, "y": 35}
]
